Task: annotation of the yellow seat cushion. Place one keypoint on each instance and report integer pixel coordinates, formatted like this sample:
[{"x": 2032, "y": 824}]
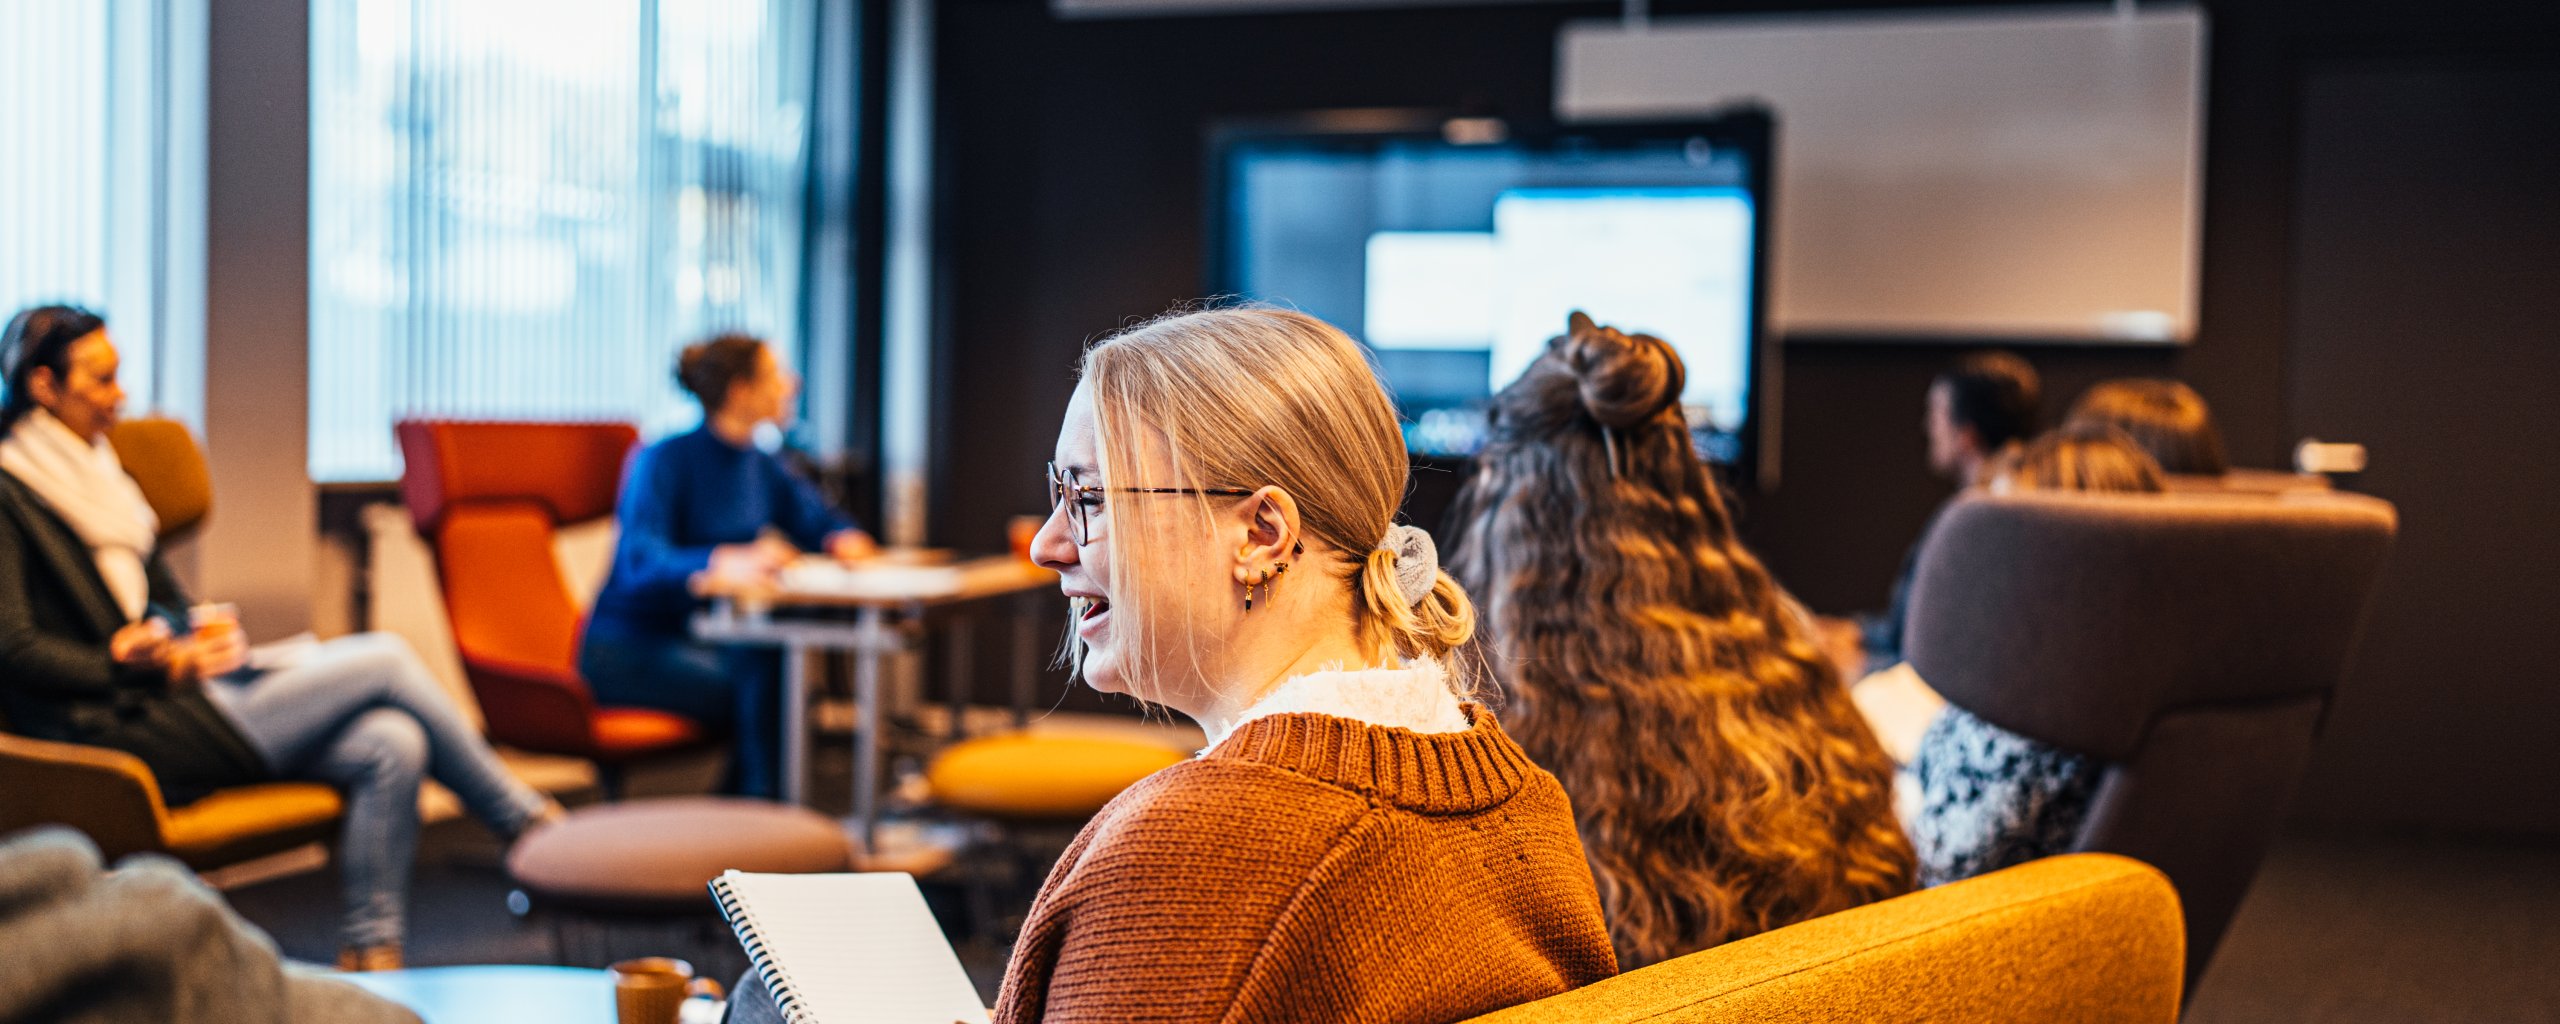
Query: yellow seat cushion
[
  {"x": 2089, "y": 938},
  {"x": 1029, "y": 775},
  {"x": 269, "y": 816}
]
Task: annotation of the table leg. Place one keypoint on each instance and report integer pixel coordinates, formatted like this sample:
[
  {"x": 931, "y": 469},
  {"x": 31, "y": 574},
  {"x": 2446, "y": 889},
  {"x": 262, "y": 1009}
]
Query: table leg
[
  {"x": 795, "y": 723},
  {"x": 1026, "y": 670},
  {"x": 866, "y": 743},
  {"x": 964, "y": 673}
]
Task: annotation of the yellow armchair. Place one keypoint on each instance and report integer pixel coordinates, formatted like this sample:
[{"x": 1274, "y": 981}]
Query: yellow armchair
[
  {"x": 110, "y": 795},
  {"x": 2090, "y": 938}
]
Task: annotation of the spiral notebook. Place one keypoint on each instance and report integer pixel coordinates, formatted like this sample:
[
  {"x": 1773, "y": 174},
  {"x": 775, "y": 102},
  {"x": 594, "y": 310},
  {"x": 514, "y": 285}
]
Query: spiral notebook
[{"x": 848, "y": 948}]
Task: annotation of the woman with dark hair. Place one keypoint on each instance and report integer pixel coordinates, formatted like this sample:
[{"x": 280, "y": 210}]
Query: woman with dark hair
[
  {"x": 98, "y": 646},
  {"x": 1722, "y": 781},
  {"x": 2163, "y": 417},
  {"x": 710, "y": 501}
]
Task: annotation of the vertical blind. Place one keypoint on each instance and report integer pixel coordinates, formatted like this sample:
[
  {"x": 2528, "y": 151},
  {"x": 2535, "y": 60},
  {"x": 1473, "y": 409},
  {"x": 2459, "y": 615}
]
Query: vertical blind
[
  {"x": 523, "y": 210},
  {"x": 82, "y": 107}
]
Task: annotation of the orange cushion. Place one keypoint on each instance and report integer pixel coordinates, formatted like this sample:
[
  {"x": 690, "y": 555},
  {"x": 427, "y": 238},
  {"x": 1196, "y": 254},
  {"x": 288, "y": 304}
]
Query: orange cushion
[
  {"x": 230, "y": 816},
  {"x": 622, "y": 732},
  {"x": 1031, "y": 775},
  {"x": 503, "y": 588},
  {"x": 659, "y": 855}
]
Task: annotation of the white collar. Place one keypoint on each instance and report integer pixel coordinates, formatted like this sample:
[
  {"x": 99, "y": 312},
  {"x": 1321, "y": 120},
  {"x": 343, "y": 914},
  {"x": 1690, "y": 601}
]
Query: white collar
[{"x": 1415, "y": 698}]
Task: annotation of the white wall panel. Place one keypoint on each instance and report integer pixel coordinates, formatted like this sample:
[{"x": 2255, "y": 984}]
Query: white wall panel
[{"x": 1971, "y": 174}]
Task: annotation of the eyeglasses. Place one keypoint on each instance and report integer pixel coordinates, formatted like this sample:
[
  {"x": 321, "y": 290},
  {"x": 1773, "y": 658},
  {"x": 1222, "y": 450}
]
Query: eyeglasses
[{"x": 1082, "y": 501}]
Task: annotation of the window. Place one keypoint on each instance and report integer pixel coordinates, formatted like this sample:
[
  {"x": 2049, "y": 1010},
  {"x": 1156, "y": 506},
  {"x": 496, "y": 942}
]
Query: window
[
  {"x": 84, "y": 212},
  {"x": 522, "y": 210}
]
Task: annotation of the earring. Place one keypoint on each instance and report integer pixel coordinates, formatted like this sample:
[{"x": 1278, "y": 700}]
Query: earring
[{"x": 1264, "y": 581}]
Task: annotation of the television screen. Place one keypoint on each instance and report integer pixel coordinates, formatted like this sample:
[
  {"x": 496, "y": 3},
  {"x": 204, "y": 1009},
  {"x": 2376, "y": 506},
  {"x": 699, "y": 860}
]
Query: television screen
[{"x": 1455, "y": 261}]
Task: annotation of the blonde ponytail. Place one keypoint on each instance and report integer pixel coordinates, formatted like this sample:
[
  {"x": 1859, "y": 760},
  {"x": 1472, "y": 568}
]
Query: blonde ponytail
[{"x": 1433, "y": 627}]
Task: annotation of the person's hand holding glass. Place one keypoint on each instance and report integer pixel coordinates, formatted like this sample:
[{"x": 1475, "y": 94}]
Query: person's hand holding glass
[
  {"x": 141, "y": 643},
  {"x": 215, "y": 646}
]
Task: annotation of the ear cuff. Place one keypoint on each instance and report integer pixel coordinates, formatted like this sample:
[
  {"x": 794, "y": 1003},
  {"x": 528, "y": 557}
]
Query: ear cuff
[{"x": 1264, "y": 581}]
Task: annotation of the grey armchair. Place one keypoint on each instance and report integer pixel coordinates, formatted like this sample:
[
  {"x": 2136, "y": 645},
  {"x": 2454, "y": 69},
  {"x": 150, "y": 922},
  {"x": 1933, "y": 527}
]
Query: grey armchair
[{"x": 2190, "y": 641}]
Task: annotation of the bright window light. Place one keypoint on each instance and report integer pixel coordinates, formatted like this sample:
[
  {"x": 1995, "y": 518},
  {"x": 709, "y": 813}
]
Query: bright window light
[
  {"x": 521, "y": 211},
  {"x": 83, "y": 103}
]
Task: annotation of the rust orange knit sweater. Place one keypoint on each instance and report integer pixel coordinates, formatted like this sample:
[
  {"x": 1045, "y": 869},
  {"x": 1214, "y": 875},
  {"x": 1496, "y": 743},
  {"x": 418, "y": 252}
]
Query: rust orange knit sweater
[{"x": 1314, "y": 868}]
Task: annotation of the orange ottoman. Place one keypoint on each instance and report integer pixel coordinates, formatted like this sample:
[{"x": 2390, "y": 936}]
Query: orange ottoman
[{"x": 655, "y": 857}]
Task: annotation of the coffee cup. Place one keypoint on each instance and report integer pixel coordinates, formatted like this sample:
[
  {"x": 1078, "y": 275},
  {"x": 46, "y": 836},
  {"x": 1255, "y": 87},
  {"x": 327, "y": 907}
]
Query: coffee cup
[
  {"x": 213, "y": 620},
  {"x": 652, "y": 989}
]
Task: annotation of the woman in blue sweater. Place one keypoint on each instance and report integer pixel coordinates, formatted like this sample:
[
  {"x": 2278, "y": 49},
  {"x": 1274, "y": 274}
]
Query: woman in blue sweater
[{"x": 710, "y": 501}]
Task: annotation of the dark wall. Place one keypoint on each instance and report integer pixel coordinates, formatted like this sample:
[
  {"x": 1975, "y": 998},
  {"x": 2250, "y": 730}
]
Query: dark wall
[
  {"x": 1070, "y": 185},
  {"x": 1071, "y": 162},
  {"x": 2426, "y": 321}
]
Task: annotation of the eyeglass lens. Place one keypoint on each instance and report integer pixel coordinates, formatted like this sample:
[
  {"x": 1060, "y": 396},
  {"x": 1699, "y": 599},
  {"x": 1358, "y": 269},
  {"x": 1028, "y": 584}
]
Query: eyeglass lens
[{"x": 1064, "y": 490}]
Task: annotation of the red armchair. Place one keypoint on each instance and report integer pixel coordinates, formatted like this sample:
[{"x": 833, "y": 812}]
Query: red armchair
[{"x": 489, "y": 497}]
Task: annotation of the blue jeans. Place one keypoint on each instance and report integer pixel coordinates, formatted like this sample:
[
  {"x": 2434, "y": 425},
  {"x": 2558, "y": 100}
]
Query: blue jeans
[
  {"x": 362, "y": 714},
  {"x": 733, "y": 689}
]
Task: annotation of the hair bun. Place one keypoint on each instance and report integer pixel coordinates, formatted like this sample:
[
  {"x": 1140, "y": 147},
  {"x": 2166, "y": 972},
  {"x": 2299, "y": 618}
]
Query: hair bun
[{"x": 1625, "y": 378}]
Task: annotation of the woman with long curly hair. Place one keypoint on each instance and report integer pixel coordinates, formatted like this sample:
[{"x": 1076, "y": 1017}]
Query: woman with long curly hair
[{"x": 1722, "y": 781}]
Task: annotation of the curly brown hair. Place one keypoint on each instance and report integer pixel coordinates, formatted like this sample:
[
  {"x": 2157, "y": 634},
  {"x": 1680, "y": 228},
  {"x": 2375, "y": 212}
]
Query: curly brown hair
[{"x": 1722, "y": 780}]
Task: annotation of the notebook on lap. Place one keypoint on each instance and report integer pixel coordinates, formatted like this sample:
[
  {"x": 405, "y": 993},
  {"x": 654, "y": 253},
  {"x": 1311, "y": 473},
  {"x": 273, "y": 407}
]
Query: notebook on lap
[{"x": 848, "y": 948}]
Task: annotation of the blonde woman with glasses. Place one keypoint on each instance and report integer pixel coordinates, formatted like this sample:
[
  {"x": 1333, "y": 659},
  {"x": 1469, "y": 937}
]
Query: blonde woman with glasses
[{"x": 1360, "y": 841}]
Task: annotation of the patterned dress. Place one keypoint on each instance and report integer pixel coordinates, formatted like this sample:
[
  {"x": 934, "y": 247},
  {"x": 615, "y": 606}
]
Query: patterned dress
[{"x": 1990, "y": 798}]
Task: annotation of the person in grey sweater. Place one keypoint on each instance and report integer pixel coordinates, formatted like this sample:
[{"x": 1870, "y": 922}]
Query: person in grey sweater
[{"x": 146, "y": 941}]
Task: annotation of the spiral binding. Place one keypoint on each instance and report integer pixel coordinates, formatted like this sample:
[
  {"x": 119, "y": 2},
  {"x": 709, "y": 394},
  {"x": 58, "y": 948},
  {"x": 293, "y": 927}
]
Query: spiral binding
[{"x": 733, "y": 910}]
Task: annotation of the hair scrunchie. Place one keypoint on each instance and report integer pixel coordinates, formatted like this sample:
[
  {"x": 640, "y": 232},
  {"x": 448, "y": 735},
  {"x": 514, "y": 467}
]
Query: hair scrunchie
[{"x": 1417, "y": 561}]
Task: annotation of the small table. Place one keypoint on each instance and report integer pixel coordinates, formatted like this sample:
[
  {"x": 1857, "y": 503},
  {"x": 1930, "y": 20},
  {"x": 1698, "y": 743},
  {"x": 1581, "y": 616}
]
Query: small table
[
  {"x": 738, "y": 617},
  {"x": 496, "y": 994}
]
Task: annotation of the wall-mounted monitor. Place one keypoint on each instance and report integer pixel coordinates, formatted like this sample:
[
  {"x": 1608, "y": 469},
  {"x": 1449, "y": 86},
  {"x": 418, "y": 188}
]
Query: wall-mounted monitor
[{"x": 1455, "y": 248}]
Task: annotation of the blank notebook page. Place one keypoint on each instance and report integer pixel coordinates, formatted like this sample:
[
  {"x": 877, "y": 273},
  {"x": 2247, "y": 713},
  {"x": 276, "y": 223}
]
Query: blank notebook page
[{"x": 847, "y": 948}]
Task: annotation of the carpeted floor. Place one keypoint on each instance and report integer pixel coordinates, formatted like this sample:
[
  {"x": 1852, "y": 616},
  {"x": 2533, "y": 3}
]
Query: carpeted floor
[
  {"x": 2339, "y": 930},
  {"x": 458, "y": 911},
  {"x": 2400, "y": 929}
]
